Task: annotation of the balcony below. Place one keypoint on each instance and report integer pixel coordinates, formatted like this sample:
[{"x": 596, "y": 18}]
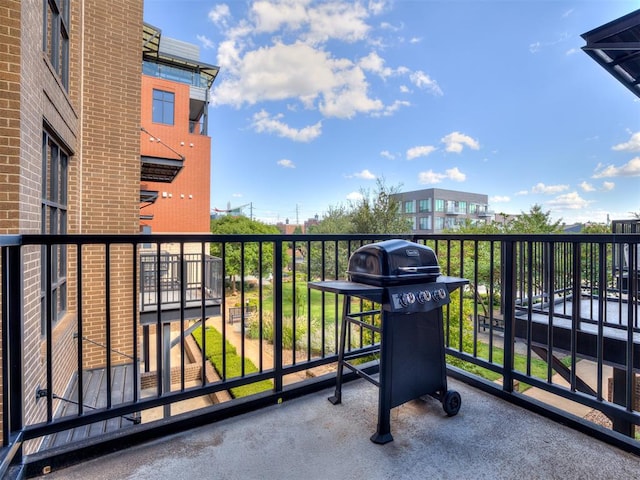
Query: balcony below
[{"x": 310, "y": 438}]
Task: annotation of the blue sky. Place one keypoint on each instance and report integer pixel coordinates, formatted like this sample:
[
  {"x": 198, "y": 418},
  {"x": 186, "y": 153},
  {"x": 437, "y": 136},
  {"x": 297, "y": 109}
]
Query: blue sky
[{"x": 315, "y": 100}]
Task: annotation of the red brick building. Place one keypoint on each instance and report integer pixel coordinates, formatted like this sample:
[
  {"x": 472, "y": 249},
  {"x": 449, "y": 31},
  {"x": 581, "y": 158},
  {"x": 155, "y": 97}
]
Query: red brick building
[{"x": 175, "y": 147}]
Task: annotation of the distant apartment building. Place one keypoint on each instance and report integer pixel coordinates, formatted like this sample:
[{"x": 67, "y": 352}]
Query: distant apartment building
[
  {"x": 174, "y": 143},
  {"x": 433, "y": 209}
]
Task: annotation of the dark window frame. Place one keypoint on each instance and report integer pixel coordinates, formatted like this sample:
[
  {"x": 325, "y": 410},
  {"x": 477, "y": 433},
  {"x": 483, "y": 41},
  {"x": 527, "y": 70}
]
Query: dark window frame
[
  {"x": 55, "y": 37},
  {"x": 160, "y": 111},
  {"x": 54, "y": 220}
]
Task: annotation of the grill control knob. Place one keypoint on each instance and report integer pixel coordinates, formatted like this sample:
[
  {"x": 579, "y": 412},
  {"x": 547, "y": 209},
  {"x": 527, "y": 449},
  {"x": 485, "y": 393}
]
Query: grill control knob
[
  {"x": 424, "y": 296},
  {"x": 441, "y": 293},
  {"x": 407, "y": 299}
]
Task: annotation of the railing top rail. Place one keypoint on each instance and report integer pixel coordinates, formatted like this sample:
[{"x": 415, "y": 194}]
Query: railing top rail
[
  {"x": 79, "y": 239},
  {"x": 10, "y": 240}
]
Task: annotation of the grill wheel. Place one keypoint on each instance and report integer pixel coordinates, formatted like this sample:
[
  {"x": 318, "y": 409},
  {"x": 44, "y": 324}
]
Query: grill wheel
[{"x": 451, "y": 402}]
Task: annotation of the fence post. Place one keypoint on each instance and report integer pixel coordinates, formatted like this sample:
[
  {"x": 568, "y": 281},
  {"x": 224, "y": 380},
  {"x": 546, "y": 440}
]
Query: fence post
[
  {"x": 12, "y": 333},
  {"x": 508, "y": 294},
  {"x": 277, "y": 314}
]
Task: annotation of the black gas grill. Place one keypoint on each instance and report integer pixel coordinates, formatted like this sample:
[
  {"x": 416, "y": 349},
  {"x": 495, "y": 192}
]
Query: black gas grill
[{"x": 404, "y": 279}]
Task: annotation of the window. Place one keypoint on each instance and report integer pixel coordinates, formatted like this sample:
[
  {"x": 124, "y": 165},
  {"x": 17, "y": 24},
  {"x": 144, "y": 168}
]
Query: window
[
  {"x": 439, "y": 223},
  {"x": 55, "y": 39},
  {"x": 439, "y": 205},
  {"x": 55, "y": 164},
  {"x": 410, "y": 206},
  {"x": 462, "y": 207},
  {"x": 473, "y": 207},
  {"x": 163, "y": 103},
  {"x": 424, "y": 205},
  {"x": 425, "y": 223}
]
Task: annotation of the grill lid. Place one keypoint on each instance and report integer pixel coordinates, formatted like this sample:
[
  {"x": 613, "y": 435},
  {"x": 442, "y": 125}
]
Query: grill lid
[{"x": 393, "y": 262}]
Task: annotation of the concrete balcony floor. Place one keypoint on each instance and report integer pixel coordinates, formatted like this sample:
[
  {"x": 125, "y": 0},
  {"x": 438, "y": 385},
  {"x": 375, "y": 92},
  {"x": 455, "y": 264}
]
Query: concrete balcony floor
[{"x": 309, "y": 438}]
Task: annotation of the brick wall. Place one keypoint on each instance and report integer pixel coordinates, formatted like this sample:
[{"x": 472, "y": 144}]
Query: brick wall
[
  {"x": 183, "y": 205},
  {"x": 9, "y": 121},
  {"x": 10, "y": 31},
  {"x": 110, "y": 170},
  {"x": 97, "y": 120}
]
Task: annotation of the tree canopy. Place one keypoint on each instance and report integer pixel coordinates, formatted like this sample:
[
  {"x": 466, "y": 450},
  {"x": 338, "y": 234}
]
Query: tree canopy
[
  {"x": 535, "y": 221},
  {"x": 235, "y": 255},
  {"x": 376, "y": 211}
]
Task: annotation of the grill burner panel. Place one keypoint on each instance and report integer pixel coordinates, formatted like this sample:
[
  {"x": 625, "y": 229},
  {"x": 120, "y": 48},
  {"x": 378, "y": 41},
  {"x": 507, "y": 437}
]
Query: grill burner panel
[{"x": 417, "y": 298}]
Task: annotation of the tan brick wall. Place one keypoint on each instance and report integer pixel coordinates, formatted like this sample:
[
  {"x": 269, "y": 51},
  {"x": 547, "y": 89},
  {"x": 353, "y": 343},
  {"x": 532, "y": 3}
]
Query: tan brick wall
[
  {"x": 110, "y": 168},
  {"x": 98, "y": 121},
  {"x": 10, "y": 28}
]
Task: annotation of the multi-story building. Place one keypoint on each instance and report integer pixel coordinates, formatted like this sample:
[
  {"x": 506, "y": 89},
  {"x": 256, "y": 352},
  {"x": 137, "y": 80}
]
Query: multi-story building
[
  {"x": 70, "y": 163},
  {"x": 174, "y": 144},
  {"x": 90, "y": 134},
  {"x": 433, "y": 209}
]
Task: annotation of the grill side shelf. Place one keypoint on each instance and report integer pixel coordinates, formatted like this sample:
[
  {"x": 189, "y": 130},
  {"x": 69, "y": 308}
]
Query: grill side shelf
[{"x": 342, "y": 287}]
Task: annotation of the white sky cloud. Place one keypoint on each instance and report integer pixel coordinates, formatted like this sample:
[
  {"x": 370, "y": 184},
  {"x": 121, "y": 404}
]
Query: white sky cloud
[
  {"x": 608, "y": 186},
  {"x": 456, "y": 141},
  {"x": 629, "y": 169},
  {"x": 431, "y": 177},
  {"x": 391, "y": 109},
  {"x": 364, "y": 175},
  {"x": 387, "y": 154},
  {"x": 455, "y": 174},
  {"x": 297, "y": 65},
  {"x": 219, "y": 14},
  {"x": 568, "y": 201},
  {"x": 354, "y": 196},
  {"x": 205, "y": 42},
  {"x": 633, "y": 145},
  {"x": 424, "y": 81},
  {"x": 286, "y": 163},
  {"x": 499, "y": 199},
  {"x": 549, "y": 189},
  {"x": 587, "y": 187},
  {"x": 420, "y": 151},
  {"x": 265, "y": 123}
]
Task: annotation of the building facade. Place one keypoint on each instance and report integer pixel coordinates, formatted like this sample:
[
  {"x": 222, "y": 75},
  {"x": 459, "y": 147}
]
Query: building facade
[
  {"x": 70, "y": 163},
  {"x": 433, "y": 209},
  {"x": 174, "y": 142}
]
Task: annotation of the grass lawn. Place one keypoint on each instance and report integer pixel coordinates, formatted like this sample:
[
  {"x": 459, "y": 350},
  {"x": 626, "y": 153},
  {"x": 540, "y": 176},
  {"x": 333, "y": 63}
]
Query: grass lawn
[
  {"x": 233, "y": 362},
  {"x": 538, "y": 366}
]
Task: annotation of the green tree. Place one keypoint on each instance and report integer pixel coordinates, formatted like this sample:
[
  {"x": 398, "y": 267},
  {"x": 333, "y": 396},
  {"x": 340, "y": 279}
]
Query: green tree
[
  {"x": 336, "y": 220},
  {"x": 535, "y": 221},
  {"x": 378, "y": 211},
  {"x": 375, "y": 212},
  {"x": 234, "y": 253},
  {"x": 596, "y": 228}
]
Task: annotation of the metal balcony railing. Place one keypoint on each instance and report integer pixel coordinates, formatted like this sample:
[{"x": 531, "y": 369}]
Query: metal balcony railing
[{"x": 110, "y": 369}]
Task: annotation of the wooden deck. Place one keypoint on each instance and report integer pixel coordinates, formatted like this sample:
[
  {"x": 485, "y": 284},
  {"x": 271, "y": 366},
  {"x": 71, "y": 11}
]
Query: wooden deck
[{"x": 95, "y": 397}]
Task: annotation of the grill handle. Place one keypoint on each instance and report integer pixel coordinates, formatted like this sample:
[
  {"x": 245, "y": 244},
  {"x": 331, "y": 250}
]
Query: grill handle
[{"x": 416, "y": 269}]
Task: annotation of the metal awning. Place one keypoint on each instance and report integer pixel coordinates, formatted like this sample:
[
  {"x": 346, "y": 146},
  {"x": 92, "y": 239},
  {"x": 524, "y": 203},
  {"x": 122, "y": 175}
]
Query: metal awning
[
  {"x": 148, "y": 196},
  {"x": 151, "y": 38},
  {"x": 157, "y": 169},
  {"x": 616, "y": 47}
]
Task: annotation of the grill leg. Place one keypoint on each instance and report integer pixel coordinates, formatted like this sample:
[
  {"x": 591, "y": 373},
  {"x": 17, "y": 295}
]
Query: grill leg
[
  {"x": 383, "y": 432},
  {"x": 337, "y": 397}
]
